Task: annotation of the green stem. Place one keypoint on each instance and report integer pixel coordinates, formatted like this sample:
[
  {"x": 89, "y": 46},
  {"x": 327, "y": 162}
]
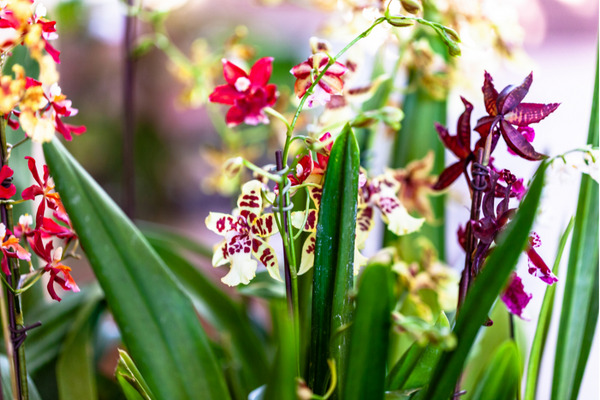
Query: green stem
[{"x": 15, "y": 312}]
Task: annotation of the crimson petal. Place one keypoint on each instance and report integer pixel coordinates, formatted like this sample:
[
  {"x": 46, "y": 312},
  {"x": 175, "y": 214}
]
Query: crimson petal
[
  {"x": 538, "y": 268},
  {"x": 261, "y": 71},
  {"x": 235, "y": 116},
  {"x": 511, "y": 96},
  {"x": 232, "y": 72},
  {"x": 529, "y": 113},
  {"x": 517, "y": 143},
  {"x": 225, "y": 94}
]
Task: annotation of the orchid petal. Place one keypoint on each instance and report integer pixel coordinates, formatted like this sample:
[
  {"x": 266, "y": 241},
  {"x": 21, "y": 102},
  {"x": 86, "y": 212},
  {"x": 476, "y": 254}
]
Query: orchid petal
[
  {"x": 490, "y": 95},
  {"x": 308, "y": 254},
  {"x": 264, "y": 225},
  {"x": 261, "y": 71},
  {"x": 219, "y": 223},
  {"x": 517, "y": 143},
  {"x": 220, "y": 254},
  {"x": 515, "y": 297},
  {"x": 512, "y": 96},
  {"x": 250, "y": 200},
  {"x": 266, "y": 255},
  {"x": 449, "y": 175},
  {"x": 225, "y": 94},
  {"x": 232, "y": 72},
  {"x": 529, "y": 113},
  {"x": 463, "y": 133},
  {"x": 538, "y": 268},
  {"x": 298, "y": 219}
]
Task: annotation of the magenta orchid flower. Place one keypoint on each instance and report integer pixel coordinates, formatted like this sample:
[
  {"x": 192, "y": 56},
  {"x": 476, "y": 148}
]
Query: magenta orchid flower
[
  {"x": 514, "y": 296},
  {"x": 244, "y": 231},
  {"x": 247, "y": 94},
  {"x": 330, "y": 84},
  {"x": 506, "y": 109}
]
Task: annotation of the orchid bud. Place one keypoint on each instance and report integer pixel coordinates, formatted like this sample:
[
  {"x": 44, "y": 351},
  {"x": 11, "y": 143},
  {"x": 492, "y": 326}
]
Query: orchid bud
[
  {"x": 400, "y": 22},
  {"x": 411, "y": 6},
  {"x": 233, "y": 166},
  {"x": 319, "y": 45}
]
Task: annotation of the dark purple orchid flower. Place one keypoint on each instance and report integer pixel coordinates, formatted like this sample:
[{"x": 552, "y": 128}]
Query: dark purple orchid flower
[{"x": 506, "y": 109}]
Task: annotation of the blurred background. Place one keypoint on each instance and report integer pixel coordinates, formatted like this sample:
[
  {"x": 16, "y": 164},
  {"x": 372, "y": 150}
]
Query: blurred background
[{"x": 171, "y": 178}]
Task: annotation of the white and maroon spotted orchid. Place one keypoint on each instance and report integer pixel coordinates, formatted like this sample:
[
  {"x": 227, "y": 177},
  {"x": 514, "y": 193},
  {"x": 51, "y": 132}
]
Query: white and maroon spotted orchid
[
  {"x": 382, "y": 192},
  {"x": 244, "y": 231}
]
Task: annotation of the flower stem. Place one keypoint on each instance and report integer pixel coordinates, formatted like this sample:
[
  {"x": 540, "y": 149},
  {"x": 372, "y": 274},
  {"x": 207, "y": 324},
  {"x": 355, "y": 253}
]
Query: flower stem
[
  {"x": 14, "y": 346},
  {"x": 291, "y": 276}
]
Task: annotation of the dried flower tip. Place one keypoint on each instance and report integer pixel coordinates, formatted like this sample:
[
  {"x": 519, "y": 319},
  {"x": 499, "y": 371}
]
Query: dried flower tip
[
  {"x": 411, "y": 6},
  {"x": 319, "y": 45}
]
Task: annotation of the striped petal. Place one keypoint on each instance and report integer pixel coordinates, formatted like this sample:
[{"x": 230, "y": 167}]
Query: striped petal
[
  {"x": 266, "y": 255},
  {"x": 250, "y": 200},
  {"x": 264, "y": 225}
]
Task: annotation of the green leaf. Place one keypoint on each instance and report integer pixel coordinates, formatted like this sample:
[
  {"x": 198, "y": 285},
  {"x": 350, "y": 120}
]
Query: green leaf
[
  {"x": 416, "y": 366},
  {"x": 484, "y": 291},
  {"x": 234, "y": 328},
  {"x": 543, "y": 325},
  {"x": 158, "y": 323},
  {"x": 131, "y": 380},
  {"x": 334, "y": 262},
  {"x": 282, "y": 380},
  {"x": 501, "y": 380},
  {"x": 75, "y": 370},
  {"x": 369, "y": 335},
  {"x": 579, "y": 313},
  {"x": 168, "y": 237}
]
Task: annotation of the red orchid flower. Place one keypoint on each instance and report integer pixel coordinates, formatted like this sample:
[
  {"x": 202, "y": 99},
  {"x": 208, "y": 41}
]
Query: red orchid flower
[
  {"x": 10, "y": 247},
  {"x": 307, "y": 166},
  {"x": 7, "y": 189},
  {"x": 247, "y": 94},
  {"x": 44, "y": 187},
  {"x": 506, "y": 109},
  {"x": 54, "y": 266},
  {"x": 330, "y": 84}
]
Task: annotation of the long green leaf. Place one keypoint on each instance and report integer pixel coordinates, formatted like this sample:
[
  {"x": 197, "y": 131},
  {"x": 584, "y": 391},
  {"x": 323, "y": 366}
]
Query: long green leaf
[
  {"x": 282, "y": 379},
  {"x": 579, "y": 313},
  {"x": 501, "y": 379},
  {"x": 157, "y": 320},
  {"x": 334, "y": 262},
  {"x": 228, "y": 318},
  {"x": 543, "y": 325},
  {"x": 75, "y": 370},
  {"x": 369, "y": 336},
  {"x": 484, "y": 291}
]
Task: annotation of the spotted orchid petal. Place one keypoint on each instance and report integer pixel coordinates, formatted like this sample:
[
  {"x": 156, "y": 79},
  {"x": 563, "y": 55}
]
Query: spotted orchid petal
[
  {"x": 308, "y": 254},
  {"x": 220, "y": 223},
  {"x": 220, "y": 254},
  {"x": 264, "y": 225},
  {"x": 239, "y": 254},
  {"x": 304, "y": 221},
  {"x": 364, "y": 224},
  {"x": 266, "y": 255},
  {"x": 250, "y": 200}
]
